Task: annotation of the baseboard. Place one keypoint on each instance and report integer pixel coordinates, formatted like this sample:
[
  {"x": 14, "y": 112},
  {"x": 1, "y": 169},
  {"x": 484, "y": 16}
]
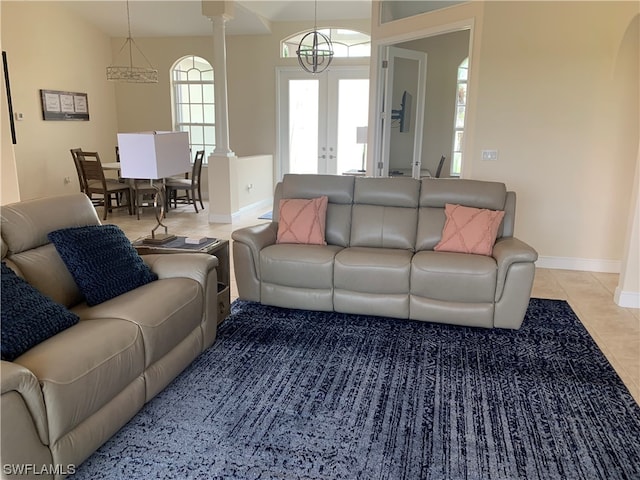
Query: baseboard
[
  {"x": 228, "y": 218},
  {"x": 266, "y": 203},
  {"x": 626, "y": 299},
  {"x": 582, "y": 264}
]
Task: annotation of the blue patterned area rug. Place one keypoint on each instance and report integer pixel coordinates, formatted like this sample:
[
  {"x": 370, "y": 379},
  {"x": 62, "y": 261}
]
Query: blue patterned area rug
[{"x": 287, "y": 394}]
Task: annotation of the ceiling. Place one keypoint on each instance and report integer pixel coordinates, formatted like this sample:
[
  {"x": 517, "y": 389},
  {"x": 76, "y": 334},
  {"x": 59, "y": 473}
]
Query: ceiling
[{"x": 161, "y": 18}]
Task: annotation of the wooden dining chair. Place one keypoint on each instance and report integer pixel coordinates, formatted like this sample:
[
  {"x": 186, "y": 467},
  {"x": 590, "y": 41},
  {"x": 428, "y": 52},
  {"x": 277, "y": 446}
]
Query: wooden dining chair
[
  {"x": 440, "y": 164},
  {"x": 191, "y": 186},
  {"x": 76, "y": 162},
  {"x": 142, "y": 189},
  {"x": 96, "y": 183}
]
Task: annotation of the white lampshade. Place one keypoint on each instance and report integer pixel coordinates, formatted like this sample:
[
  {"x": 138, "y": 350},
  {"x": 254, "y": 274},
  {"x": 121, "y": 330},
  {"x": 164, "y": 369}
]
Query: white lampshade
[
  {"x": 151, "y": 155},
  {"x": 361, "y": 134}
]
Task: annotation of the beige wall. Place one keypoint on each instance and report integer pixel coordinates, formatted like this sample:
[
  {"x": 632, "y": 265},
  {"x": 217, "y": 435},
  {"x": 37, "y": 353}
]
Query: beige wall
[
  {"x": 553, "y": 87},
  {"x": 50, "y": 48},
  {"x": 145, "y": 107},
  {"x": 565, "y": 127},
  {"x": 251, "y": 62},
  {"x": 544, "y": 92}
]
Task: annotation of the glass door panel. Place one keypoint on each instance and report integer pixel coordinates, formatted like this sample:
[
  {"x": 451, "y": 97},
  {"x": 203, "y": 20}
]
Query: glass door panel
[
  {"x": 353, "y": 112},
  {"x": 303, "y": 126},
  {"x": 318, "y": 119}
]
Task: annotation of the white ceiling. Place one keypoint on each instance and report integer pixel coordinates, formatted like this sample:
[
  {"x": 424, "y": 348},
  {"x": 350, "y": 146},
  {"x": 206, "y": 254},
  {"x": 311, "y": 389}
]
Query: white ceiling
[{"x": 160, "y": 18}]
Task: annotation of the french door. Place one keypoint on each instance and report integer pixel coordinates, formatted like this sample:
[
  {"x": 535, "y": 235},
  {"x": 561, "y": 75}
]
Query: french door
[{"x": 318, "y": 119}]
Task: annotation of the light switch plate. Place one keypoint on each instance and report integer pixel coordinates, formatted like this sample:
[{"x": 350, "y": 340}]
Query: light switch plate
[{"x": 490, "y": 155}]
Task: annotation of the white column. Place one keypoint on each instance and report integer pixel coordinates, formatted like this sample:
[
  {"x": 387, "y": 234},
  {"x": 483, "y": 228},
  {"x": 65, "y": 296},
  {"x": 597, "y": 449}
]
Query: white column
[
  {"x": 222, "y": 161},
  {"x": 220, "y": 86}
]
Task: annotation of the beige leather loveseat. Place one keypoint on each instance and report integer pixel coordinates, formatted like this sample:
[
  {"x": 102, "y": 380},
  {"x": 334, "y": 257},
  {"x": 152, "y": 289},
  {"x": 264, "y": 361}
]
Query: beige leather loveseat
[
  {"x": 66, "y": 396},
  {"x": 379, "y": 258}
]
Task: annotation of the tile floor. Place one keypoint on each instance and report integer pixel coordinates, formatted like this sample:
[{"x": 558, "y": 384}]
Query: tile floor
[{"x": 616, "y": 330}]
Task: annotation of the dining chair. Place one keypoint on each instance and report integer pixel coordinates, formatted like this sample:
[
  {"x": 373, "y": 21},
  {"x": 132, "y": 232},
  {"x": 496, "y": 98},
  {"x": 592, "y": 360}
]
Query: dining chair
[
  {"x": 76, "y": 162},
  {"x": 440, "y": 164},
  {"x": 96, "y": 183},
  {"x": 191, "y": 186},
  {"x": 141, "y": 189},
  {"x": 81, "y": 179}
]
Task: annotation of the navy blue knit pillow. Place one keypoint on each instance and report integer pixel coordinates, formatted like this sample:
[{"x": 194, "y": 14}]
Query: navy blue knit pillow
[
  {"x": 28, "y": 317},
  {"x": 101, "y": 260}
]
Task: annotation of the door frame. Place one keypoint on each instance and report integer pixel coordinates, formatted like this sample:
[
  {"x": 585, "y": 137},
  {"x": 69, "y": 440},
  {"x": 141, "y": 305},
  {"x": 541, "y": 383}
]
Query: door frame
[
  {"x": 390, "y": 53},
  {"x": 375, "y": 159},
  {"x": 282, "y": 127}
]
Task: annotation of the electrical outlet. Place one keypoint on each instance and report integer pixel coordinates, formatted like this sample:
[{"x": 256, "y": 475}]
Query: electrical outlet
[
  {"x": 67, "y": 180},
  {"x": 490, "y": 155}
]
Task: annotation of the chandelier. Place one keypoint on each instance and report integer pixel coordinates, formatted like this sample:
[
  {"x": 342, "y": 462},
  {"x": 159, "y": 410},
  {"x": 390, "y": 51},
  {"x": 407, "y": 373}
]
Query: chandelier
[
  {"x": 315, "y": 50},
  {"x": 131, "y": 74}
]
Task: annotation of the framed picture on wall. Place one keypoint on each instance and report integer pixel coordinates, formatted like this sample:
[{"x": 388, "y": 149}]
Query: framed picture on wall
[{"x": 59, "y": 105}]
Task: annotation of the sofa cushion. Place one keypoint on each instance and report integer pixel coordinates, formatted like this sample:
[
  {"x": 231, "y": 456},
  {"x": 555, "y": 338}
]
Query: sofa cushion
[
  {"x": 437, "y": 192},
  {"x": 28, "y": 317},
  {"x": 302, "y": 266},
  {"x": 372, "y": 281},
  {"x": 373, "y": 270},
  {"x": 43, "y": 268},
  {"x": 165, "y": 311},
  {"x": 453, "y": 277},
  {"x": 385, "y": 212},
  {"x": 302, "y": 221},
  {"x": 101, "y": 260},
  {"x": 469, "y": 230},
  {"x": 339, "y": 189},
  {"x": 83, "y": 368}
]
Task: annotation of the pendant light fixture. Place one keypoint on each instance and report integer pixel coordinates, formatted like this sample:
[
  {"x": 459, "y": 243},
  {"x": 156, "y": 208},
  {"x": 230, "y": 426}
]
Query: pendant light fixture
[
  {"x": 315, "y": 50},
  {"x": 130, "y": 73}
]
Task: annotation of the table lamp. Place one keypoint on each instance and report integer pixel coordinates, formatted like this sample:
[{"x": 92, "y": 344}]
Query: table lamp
[
  {"x": 361, "y": 139},
  {"x": 154, "y": 156}
]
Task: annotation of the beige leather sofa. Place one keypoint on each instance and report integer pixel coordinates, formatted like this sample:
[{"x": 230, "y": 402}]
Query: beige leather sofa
[
  {"x": 380, "y": 258},
  {"x": 65, "y": 397}
]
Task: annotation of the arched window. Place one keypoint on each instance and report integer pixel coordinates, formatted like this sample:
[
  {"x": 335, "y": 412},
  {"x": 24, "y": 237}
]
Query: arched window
[
  {"x": 193, "y": 102},
  {"x": 458, "y": 126},
  {"x": 346, "y": 43}
]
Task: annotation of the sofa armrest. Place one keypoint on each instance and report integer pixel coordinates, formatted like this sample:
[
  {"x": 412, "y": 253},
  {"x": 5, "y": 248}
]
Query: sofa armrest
[
  {"x": 196, "y": 266},
  {"x": 200, "y": 267},
  {"x": 247, "y": 244},
  {"x": 18, "y": 379},
  {"x": 256, "y": 238},
  {"x": 508, "y": 251}
]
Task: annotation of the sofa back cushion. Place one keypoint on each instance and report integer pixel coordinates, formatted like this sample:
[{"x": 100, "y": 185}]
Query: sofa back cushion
[
  {"x": 385, "y": 212},
  {"x": 435, "y": 193},
  {"x": 338, "y": 189},
  {"x": 25, "y": 226}
]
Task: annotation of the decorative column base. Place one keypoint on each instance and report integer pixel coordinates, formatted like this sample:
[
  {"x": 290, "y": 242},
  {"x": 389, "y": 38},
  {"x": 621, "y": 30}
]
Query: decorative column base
[{"x": 223, "y": 187}]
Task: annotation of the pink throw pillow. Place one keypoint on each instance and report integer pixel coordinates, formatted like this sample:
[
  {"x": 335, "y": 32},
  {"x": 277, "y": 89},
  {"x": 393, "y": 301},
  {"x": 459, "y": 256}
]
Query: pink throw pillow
[
  {"x": 302, "y": 221},
  {"x": 469, "y": 230}
]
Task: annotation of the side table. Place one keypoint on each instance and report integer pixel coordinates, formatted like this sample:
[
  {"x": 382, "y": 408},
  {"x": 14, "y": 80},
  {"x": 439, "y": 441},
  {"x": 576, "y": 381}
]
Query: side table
[{"x": 213, "y": 246}]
